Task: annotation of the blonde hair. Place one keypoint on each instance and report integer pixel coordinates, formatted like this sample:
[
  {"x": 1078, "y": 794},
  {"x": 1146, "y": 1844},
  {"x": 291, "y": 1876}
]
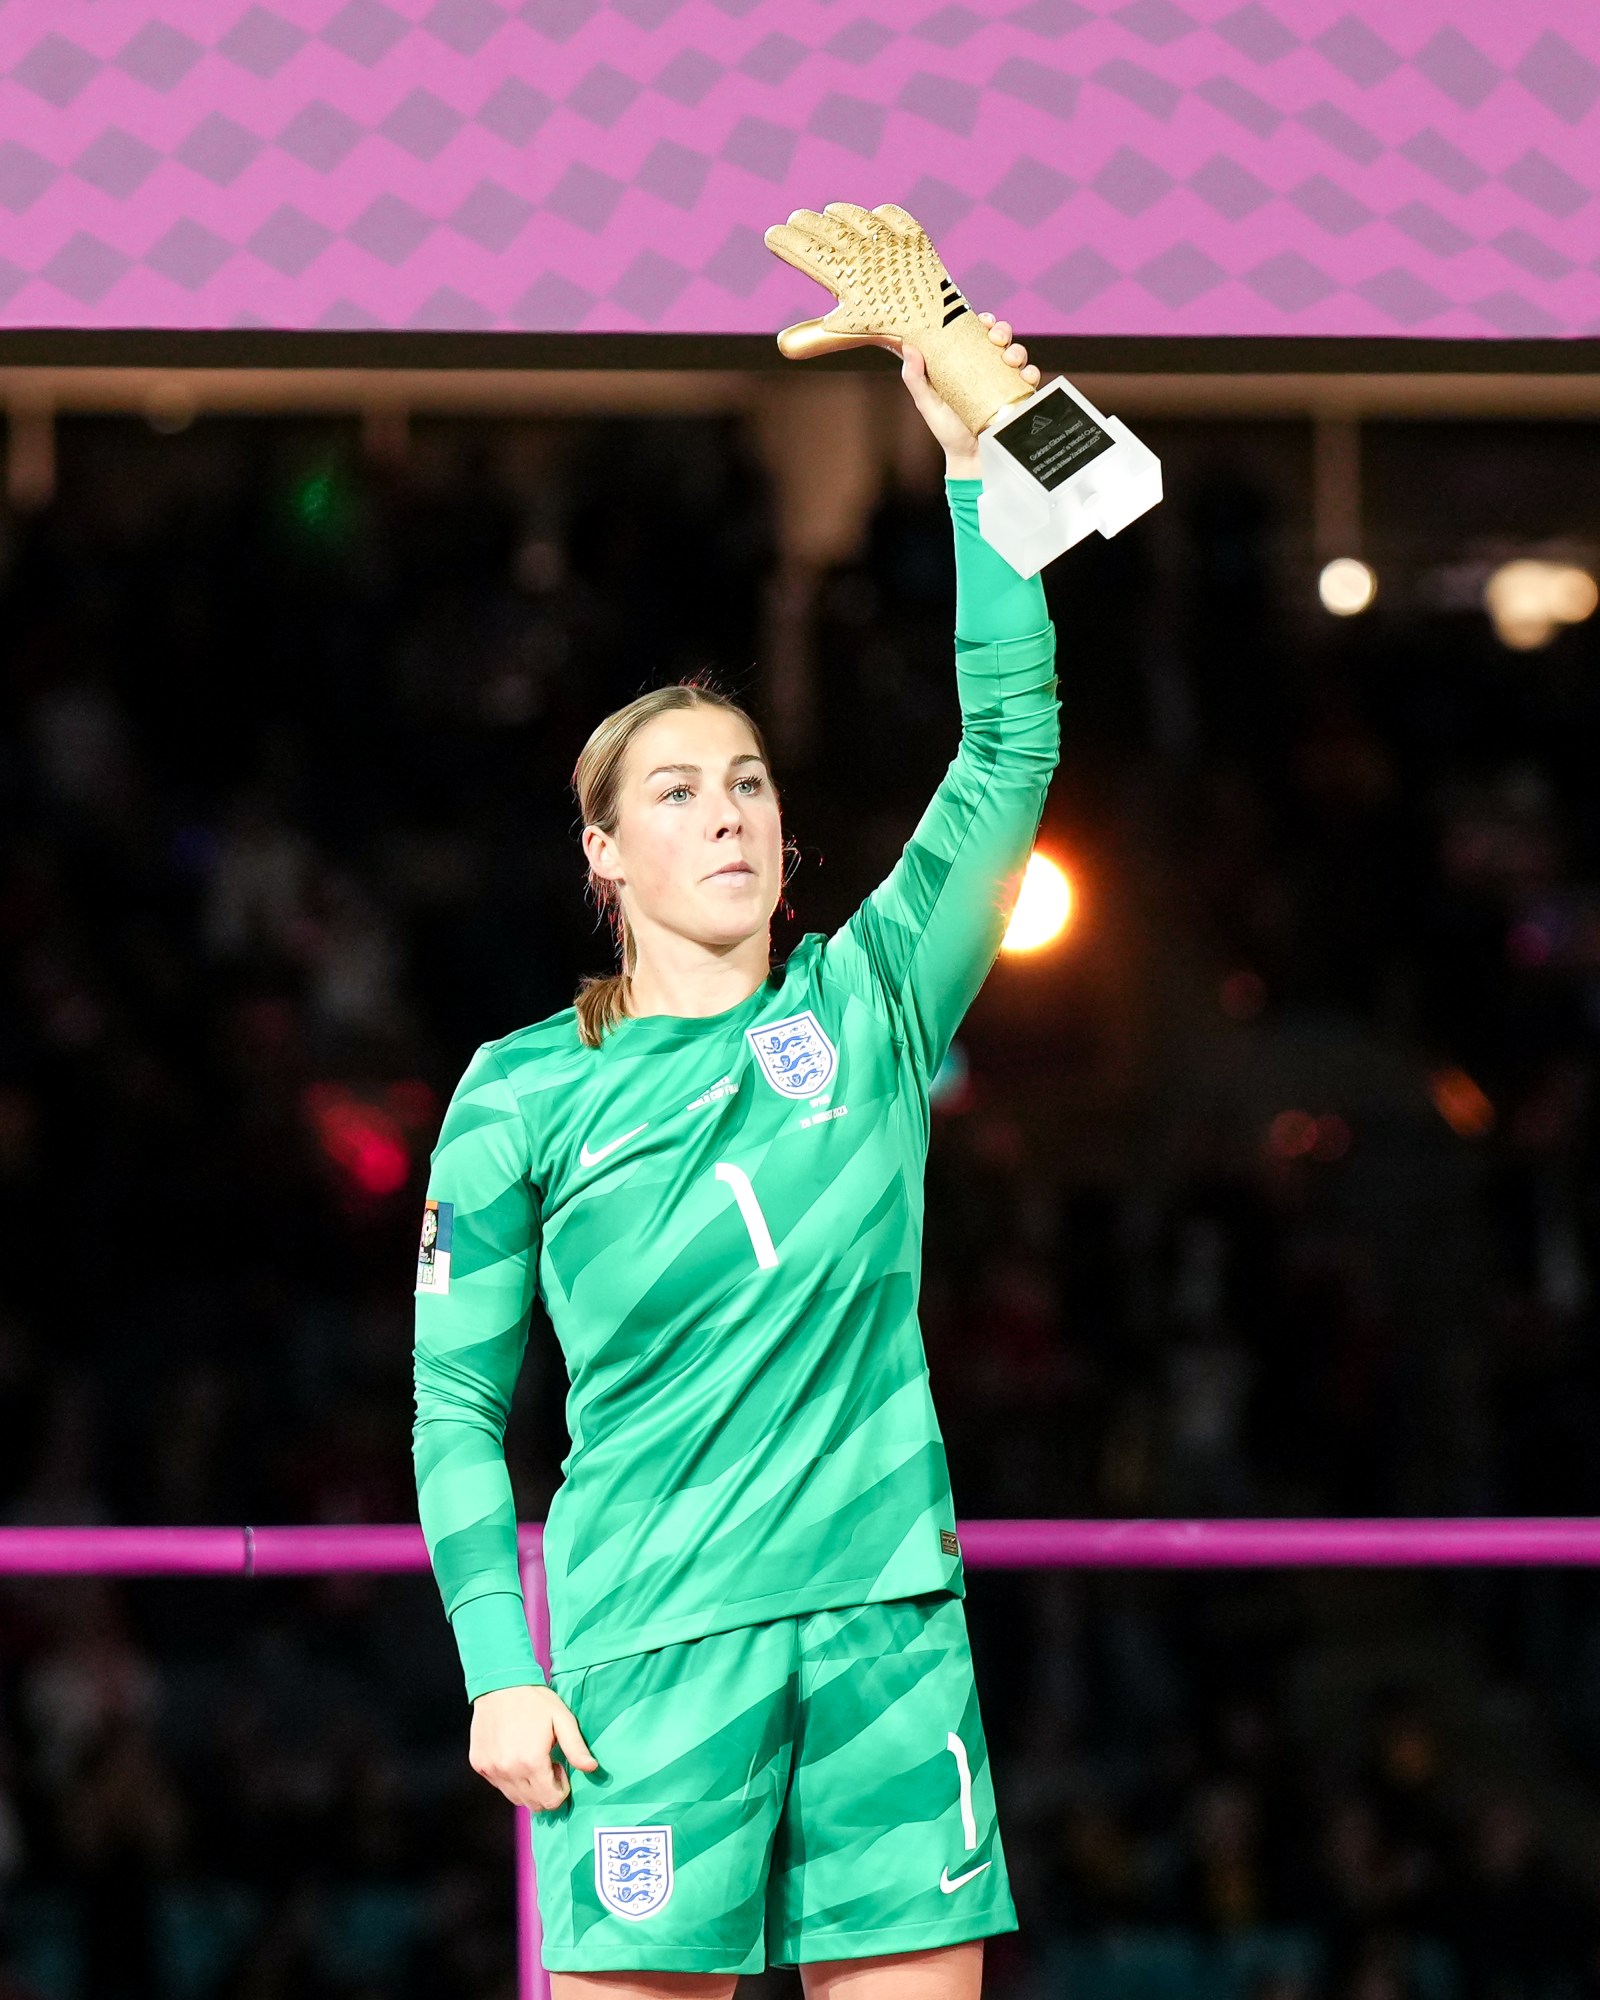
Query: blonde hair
[{"x": 602, "y": 998}]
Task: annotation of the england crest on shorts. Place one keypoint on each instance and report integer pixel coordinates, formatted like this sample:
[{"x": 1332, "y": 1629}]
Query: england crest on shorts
[
  {"x": 796, "y": 1056},
  {"x": 633, "y": 1868}
]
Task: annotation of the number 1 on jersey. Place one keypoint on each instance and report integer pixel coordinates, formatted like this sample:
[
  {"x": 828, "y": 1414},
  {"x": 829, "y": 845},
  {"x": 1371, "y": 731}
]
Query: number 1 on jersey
[{"x": 745, "y": 1195}]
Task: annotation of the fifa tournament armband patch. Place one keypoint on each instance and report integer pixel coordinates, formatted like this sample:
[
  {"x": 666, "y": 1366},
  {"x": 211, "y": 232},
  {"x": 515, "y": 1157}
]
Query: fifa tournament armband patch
[{"x": 433, "y": 1254}]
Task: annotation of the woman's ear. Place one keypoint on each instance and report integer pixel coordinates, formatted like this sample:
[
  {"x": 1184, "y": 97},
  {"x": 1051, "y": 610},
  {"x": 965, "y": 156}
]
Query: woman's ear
[{"x": 600, "y": 852}]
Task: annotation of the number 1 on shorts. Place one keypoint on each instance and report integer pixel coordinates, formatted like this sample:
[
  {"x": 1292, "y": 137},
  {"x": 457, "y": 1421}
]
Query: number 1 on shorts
[{"x": 969, "y": 1825}]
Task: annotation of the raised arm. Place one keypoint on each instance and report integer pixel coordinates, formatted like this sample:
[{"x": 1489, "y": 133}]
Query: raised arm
[
  {"x": 921, "y": 944},
  {"x": 471, "y": 1332}
]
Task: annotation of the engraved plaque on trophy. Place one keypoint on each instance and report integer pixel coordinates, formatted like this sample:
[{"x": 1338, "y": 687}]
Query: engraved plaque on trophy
[{"x": 1054, "y": 467}]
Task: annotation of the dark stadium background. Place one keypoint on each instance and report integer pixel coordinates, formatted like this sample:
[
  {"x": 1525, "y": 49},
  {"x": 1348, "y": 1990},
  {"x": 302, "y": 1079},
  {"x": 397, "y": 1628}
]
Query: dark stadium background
[{"x": 1273, "y": 1189}]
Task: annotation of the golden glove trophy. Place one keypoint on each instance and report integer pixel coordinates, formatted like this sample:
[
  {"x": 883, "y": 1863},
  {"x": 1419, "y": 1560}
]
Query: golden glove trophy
[{"x": 1053, "y": 466}]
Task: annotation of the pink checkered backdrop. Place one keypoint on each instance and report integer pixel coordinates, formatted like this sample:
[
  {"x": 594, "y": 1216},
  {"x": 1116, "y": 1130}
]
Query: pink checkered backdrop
[{"x": 1327, "y": 167}]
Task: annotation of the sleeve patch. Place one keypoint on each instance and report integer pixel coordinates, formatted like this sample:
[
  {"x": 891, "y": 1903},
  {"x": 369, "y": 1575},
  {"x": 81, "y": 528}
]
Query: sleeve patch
[{"x": 433, "y": 1255}]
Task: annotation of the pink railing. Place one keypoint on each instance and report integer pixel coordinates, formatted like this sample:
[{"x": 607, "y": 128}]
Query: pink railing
[{"x": 1241, "y": 1544}]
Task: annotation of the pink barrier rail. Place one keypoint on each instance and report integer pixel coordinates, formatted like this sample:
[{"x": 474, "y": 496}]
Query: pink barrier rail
[{"x": 1528, "y": 1541}]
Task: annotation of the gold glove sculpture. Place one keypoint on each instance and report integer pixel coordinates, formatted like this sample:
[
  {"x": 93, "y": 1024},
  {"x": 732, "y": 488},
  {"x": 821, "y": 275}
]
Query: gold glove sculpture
[{"x": 892, "y": 285}]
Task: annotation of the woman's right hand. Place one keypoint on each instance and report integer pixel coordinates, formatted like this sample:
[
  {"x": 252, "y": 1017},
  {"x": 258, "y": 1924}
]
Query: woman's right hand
[{"x": 513, "y": 1732}]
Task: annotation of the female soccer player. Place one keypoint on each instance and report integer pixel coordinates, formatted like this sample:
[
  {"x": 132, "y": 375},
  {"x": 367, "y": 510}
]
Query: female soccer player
[{"x": 711, "y": 1171}]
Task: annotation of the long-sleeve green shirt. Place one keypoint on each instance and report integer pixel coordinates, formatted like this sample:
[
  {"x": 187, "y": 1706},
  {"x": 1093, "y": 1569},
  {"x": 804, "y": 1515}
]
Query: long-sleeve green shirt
[{"x": 723, "y": 1217}]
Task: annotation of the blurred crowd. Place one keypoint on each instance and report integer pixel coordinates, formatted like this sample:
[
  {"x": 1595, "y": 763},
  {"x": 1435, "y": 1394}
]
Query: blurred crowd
[{"x": 1274, "y": 1189}]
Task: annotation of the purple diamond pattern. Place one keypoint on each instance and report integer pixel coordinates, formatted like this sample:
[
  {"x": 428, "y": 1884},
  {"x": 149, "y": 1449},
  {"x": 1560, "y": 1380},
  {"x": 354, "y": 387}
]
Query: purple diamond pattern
[
  {"x": 1457, "y": 67},
  {"x": 1567, "y": 82},
  {"x": 116, "y": 163},
  {"x": 1343, "y": 133},
  {"x": 1140, "y": 86},
  {"x": 389, "y": 229},
  {"x": 218, "y": 149},
  {"x": 261, "y": 42},
  {"x": 422, "y": 124},
  {"x": 1180, "y": 275},
  {"x": 365, "y": 31},
  {"x": 1051, "y": 18},
  {"x": 1291, "y": 283},
  {"x": 586, "y": 197},
  {"x": 1130, "y": 182},
  {"x": 558, "y": 20},
  {"x": 602, "y": 95},
  {"x": 1027, "y": 192},
  {"x": 450, "y": 311},
  {"x": 859, "y": 41},
  {"x": 1538, "y": 179},
  {"x": 676, "y": 173},
  {"x": 1156, "y": 21},
  {"x": 23, "y": 177},
  {"x": 555, "y": 304},
  {"x": 773, "y": 60},
  {"x": 320, "y": 136},
  {"x": 943, "y": 100},
  {"x": 739, "y": 263},
  {"x": 1526, "y": 251},
  {"x": 85, "y": 268},
  {"x": 189, "y": 255},
  {"x": 463, "y": 25},
  {"x": 1447, "y": 164},
  {"x": 688, "y": 77},
  {"x": 762, "y": 149},
  {"x": 1435, "y": 232},
  {"x": 1255, "y": 31},
  {"x": 1356, "y": 52},
  {"x": 649, "y": 285},
  {"x": 1075, "y": 279},
  {"x": 492, "y": 217},
  {"x": 1097, "y": 166},
  {"x": 937, "y": 205},
  {"x": 514, "y": 111},
  {"x": 56, "y": 70},
  {"x": 853, "y": 123},
  {"x": 949, "y": 27},
  {"x": 289, "y": 241},
  {"x": 1046, "y": 89},
  {"x": 159, "y": 56},
  {"x": 1227, "y": 95},
  {"x": 1330, "y": 206},
  {"x": 1403, "y": 297},
  {"x": 1230, "y": 189}
]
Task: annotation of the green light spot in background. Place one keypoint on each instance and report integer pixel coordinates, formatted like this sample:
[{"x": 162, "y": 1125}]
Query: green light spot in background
[{"x": 324, "y": 505}]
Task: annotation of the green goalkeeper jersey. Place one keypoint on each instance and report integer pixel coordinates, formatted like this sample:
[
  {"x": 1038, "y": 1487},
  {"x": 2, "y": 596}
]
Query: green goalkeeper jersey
[{"x": 722, "y": 1215}]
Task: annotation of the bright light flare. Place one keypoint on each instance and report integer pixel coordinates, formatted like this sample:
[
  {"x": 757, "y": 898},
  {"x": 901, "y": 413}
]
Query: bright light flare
[
  {"x": 1346, "y": 586},
  {"x": 1528, "y": 601},
  {"x": 1043, "y": 907}
]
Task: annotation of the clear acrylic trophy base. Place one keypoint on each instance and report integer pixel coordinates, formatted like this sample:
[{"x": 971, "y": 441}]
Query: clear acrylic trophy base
[{"x": 1054, "y": 468}]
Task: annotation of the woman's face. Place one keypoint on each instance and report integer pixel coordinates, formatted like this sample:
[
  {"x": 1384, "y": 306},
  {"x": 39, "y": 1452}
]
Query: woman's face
[{"x": 699, "y": 838}]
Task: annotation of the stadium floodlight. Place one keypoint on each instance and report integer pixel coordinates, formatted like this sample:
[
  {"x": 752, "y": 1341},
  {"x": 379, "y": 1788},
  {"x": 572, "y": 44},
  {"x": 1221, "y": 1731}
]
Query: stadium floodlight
[
  {"x": 1043, "y": 907},
  {"x": 1528, "y": 601},
  {"x": 1347, "y": 586}
]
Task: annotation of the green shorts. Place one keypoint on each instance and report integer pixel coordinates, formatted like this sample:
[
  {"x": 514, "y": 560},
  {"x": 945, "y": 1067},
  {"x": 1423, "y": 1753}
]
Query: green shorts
[{"x": 807, "y": 1788}]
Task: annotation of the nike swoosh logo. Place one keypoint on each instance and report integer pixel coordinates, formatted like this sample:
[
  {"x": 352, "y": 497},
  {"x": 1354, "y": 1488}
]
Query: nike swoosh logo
[
  {"x": 590, "y": 1159},
  {"x": 947, "y": 1885}
]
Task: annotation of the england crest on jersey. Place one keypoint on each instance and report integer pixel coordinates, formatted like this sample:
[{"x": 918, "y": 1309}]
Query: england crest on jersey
[
  {"x": 796, "y": 1056},
  {"x": 633, "y": 1868}
]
